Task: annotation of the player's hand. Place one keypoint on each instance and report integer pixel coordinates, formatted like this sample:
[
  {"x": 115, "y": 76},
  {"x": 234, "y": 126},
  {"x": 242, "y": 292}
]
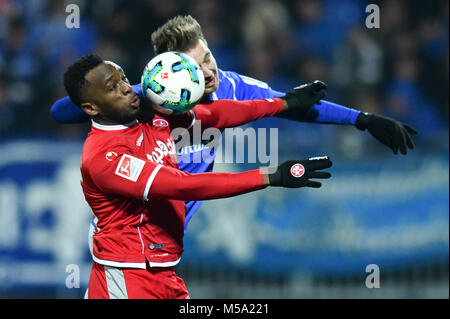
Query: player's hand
[
  {"x": 390, "y": 132},
  {"x": 295, "y": 174},
  {"x": 304, "y": 96}
]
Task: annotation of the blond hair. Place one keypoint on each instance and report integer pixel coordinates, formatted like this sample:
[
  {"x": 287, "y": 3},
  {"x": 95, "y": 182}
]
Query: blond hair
[{"x": 180, "y": 33}]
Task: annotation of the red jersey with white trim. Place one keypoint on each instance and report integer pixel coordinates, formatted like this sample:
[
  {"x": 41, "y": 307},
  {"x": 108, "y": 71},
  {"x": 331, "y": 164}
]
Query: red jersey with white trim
[
  {"x": 130, "y": 179},
  {"x": 119, "y": 163}
]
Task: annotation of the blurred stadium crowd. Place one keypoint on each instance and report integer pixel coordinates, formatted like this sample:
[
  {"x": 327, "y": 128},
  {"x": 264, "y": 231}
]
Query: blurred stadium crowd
[{"x": 399, "y": 70}]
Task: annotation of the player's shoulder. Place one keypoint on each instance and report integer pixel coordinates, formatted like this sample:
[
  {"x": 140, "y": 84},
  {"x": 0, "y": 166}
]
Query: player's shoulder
[
  {"x": 101, "y": 145},
  {"x": 238, "y": 78}
]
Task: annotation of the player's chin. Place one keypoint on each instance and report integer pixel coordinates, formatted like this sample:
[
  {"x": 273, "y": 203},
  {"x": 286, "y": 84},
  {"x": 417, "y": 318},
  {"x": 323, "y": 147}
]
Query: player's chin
[
  {"x": 134, "y": 110},
  {"x": 211, "y": 89}
]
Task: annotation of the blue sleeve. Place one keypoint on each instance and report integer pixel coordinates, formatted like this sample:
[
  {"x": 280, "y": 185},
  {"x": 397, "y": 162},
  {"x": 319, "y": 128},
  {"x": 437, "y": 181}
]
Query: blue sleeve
[
  {"x": 137, "y": 88},
  {"x": 65, "y": 111},
  {"x": 325, "y": 112}
]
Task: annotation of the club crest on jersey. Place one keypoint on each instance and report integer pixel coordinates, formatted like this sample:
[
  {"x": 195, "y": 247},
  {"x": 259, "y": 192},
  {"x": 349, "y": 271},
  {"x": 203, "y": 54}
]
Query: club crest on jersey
[
  {"x": 110, "y": 156},
  {"x": 130, "y": 167},
  {"x": 160, "y": 123},
  {"x": 297, "y": 170}
]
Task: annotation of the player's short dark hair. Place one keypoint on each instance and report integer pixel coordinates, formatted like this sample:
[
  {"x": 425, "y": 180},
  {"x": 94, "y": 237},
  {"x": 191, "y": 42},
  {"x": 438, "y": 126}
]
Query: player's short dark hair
[
  {"x": 74, "y": 77},
  {"x": 180, "y": 33}
]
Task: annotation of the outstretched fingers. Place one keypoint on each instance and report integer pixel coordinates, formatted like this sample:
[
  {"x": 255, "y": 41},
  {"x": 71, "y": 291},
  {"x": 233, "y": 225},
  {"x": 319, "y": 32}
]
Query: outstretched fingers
[
  {"x": 318, "y": 86},
  {"x": 410, "y": 129},
  {"x": 403, "y": 142},
  {"x": 318, "y": 175},
  {"x": 409, "y": 141},
  {"x": 313, "y": 184},
  {"x": 322, "y": 163}
]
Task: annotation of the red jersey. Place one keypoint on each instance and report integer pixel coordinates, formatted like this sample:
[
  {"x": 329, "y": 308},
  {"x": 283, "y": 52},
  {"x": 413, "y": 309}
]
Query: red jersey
[{"x": 130, "y": 179}]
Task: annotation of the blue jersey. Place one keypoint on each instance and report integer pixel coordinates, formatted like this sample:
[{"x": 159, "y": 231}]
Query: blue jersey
[{"x": 232, "y": 86}]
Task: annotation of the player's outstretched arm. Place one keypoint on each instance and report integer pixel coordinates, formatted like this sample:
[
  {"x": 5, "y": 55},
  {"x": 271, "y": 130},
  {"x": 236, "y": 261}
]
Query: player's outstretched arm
[
  {"x": 320, "y": 111},
  {"x": 124, "y": 174},
  {"x": 175, "y": 184},
  {"x": 230, "y": 113},
  {"x": 390, "y": 132},
  {"x": 65, "y": 111},
  {"x": 312, "y": 108}
]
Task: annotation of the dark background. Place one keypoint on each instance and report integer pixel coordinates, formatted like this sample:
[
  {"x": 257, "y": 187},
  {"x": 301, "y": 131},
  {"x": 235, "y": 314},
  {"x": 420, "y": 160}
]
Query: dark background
[{"x": 400, "y": 69}]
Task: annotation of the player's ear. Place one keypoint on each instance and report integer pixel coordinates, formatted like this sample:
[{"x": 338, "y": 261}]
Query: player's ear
[{"x": 90, "y": 109}]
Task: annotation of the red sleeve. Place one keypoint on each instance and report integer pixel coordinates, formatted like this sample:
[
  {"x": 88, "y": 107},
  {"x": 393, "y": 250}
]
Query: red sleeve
[
  {"x": 230, "y": 113},
  {"x": 123, "y": 174},
  {"x": 120, "y": 173},
  {"x": 176, "y": 184}
]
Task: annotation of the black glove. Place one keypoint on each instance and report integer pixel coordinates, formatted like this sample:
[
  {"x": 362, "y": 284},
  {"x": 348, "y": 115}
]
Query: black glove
[
  {"x": 295, "y": 174},
  {"x": 390, "y": 132},
  {"x": 301, "y": 98}
]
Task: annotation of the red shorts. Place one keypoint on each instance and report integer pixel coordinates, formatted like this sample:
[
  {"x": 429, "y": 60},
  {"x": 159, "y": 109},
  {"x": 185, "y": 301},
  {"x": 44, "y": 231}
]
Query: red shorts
[{"x": 108, "y": 282}]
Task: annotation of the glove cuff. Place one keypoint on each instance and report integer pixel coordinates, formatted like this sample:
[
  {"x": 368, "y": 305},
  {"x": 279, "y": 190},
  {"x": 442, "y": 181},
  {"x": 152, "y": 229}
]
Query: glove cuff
[
  {"x": 291, "y": 99},
  {"x": 362, "y": 121},
  {"x": 275, "y": 179}
]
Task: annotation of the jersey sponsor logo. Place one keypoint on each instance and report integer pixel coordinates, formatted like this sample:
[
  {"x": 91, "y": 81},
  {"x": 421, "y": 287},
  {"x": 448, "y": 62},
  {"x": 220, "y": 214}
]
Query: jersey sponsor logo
[
  {"x": 160, "y": 123},
  {"x": 297, "y": 170},
  {"x": 318, "y": 158},
  {"x": 194, "y": 148},
  {"x": 130, "y": 167},
  {"x": 110, "y": 156},
  {"x": 162, "y": 150},
  {"x": 164, "y": 75}
]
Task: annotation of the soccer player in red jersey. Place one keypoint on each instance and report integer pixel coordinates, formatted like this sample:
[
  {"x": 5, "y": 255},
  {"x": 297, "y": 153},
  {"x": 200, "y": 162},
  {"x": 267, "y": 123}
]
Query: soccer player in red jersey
[{"x": 137, "y": 198}]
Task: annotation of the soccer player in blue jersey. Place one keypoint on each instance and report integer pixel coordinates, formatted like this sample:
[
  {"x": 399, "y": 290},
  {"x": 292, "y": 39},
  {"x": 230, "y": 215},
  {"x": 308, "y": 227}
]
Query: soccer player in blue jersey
[{"x": 184, "y": 34}]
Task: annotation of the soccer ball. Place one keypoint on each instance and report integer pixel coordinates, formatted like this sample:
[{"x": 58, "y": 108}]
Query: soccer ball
[{"x": 174, "y": 81}]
